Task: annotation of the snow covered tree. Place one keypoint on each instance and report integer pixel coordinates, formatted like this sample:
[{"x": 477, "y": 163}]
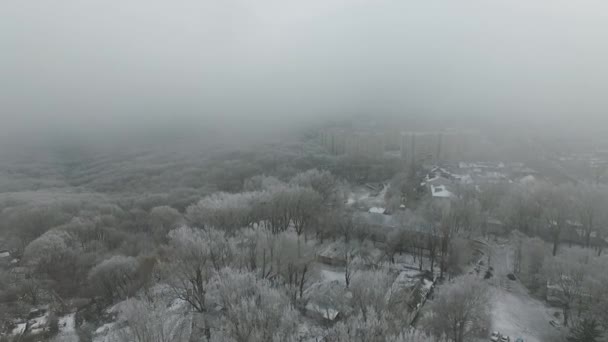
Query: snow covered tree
[
  {"x": 262, "y": 183},
  {"x": 293, "y": 264},
  {"x": 148, "y": 321},
  {"x": 195, "y": 255},
  {"x": 305, "y": 205},
  {"x": 53, "y": 261},
  {"x": 376, "y": 291},
  {"x": 224, "y": 211},
  {"x": 373, "y": 329},
  {"x": 115, "y": 277},
  {"x": 519, "y": 208},
  {"x": 162, "y": 220},
  {"x": 369, "y": 289},
  {"x": 280, "y": 258},
  {"x": 460, "y": 309},
  {"x": 50, "y": 250},
  {"x": 587, "y": 330},
  {"x": 253, "y": 310},
  {"x": 323, "y": 182},
  {"x": 567, "y": 276},
  {"x": 556, "y": 203}
]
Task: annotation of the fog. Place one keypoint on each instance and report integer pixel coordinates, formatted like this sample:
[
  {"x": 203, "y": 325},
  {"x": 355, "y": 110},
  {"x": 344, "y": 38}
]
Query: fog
[
  {"x": 72, "y": 67},
  {"x": 303, "y": 170}
]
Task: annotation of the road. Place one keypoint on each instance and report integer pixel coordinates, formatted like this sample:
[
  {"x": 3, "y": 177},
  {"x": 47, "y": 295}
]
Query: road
[{"x": 514, "y": 312}]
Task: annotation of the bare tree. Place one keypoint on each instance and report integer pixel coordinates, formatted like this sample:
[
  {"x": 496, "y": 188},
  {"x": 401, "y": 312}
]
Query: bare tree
[
  {"x": 532, "y": 253},
  {"x": 556, "y": 202},
  {"x": 465, "y": 211},
  {"x": 340, "y": 224},
  {"x": 279, "y": 209},
  {"x": 439, "y": 233},
  {"x": 590, "y": 204},
  {"x": 293, "y": 265},
  {"x": 374, "y": 290},
  {"x": 196, "y": 255},
  {"x": 519, "y": 209},
  {"x": 305, "y": 205},
  {"x": 566, "y": 278},
  {"x": 460, "y": 255},
  {"x": 257, "y": 250}
]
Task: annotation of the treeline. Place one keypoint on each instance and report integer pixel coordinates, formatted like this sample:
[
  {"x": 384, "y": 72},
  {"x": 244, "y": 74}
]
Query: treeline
[
  {"x": 574, "y": 279},
  {"x": 563, "y": 213}
]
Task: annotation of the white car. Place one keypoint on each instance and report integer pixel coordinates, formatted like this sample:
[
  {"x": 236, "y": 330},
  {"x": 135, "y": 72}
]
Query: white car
[
  {"x": 495, "y": 337},
  {"x": 505, "y": 338}
]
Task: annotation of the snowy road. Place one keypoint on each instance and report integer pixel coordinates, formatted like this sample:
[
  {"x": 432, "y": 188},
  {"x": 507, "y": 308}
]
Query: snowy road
[{"x": 514, "y": 312}]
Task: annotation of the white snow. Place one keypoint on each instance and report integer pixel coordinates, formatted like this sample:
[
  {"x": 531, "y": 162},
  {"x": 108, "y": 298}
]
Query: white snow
[
  {"x": 39, "y": 323},
  {"x": 406, "y": 278},
  {"x": 67, "y": 323},
  {"x": 104, "y": 328},
  {"x": 327, "y": 313},
  {"x": 19, "y": 329},
  {"x": 36, "y": 325},
  {"x": 329, "y": 275},
  {"x": 5, "y": 254},
  {"x": 441, "y": 191},
  {"x": 514, "y": 312},
  {"x": 377, "y": 210},
  {"x": 67, "y": 328}
]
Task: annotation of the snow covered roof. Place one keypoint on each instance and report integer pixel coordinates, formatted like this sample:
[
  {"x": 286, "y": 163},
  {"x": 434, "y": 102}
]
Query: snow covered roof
[
  {"x": 377, "y": 210},
  {"x": 441, "y": 191}
]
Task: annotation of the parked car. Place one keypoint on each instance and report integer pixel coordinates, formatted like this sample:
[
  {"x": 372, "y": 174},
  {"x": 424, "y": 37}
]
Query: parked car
[
  {"x": 495, "y": 336},
  {"x": 505, "y": 338},
  {"x": 519, "y": 339},
  {"x": 511, "y": 276}
]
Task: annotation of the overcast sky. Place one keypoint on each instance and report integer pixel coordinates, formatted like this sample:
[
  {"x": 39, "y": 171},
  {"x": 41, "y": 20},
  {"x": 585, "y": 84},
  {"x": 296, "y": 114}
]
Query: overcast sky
[{"x": 76, "y": 64}]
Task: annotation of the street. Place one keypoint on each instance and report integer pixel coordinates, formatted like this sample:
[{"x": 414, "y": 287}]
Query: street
[{"x": 514, "y": 312}]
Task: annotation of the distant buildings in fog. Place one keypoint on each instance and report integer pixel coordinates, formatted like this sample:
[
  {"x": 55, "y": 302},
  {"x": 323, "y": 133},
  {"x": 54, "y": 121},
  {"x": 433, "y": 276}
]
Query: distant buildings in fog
[
  {"x": 436, "y": 147},
  {"x": 359, "y": 142},
  {"x": 419, "y": 147}
]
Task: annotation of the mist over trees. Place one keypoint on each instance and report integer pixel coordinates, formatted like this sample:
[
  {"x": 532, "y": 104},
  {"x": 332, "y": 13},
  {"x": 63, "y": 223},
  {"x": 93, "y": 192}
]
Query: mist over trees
[{"x": 322, "y": 170}]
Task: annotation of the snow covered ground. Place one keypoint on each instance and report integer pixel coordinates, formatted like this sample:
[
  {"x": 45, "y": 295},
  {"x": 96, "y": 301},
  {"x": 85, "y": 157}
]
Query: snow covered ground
[
  {"x": 36, "y": 324},
  {"x": 67, "y": 329},
  {"x": 363, "y": 197},
  {"x": 328, "y": 274},
  {"x": 514, "y": 312}
]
